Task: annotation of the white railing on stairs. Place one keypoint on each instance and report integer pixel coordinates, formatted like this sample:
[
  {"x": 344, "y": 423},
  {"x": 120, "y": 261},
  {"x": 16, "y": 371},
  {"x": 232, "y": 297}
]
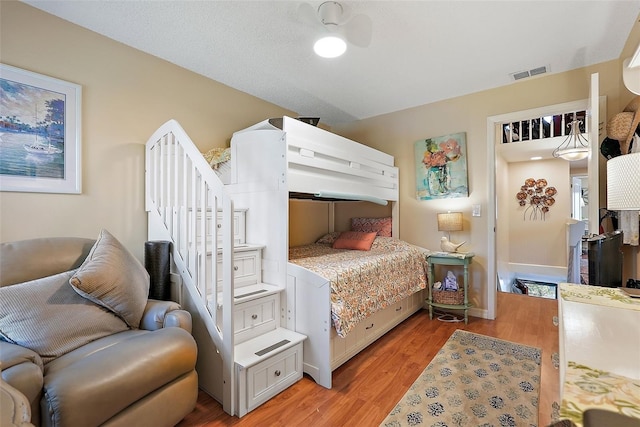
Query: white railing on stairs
[{"x": 185, "y": 199}]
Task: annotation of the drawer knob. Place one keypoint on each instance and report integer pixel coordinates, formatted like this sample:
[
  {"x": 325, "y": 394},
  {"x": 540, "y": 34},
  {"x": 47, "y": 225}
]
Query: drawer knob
[
  {"x": 399, "y": 308},
  {"x": 277, "y": 373},
  {"x": 369, "y": 327},
  {"x": 235, "y": 268},
  {"x": 254, "y": 316},
  {"x": 219, "y": 225}
]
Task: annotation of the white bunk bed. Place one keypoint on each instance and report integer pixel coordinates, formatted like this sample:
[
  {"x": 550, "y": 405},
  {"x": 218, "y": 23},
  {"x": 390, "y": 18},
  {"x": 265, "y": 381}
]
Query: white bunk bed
[{"x": 268, "y": 163}]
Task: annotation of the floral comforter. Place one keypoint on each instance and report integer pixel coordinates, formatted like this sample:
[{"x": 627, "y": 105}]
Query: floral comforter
[{"x": 364, "y": 282}]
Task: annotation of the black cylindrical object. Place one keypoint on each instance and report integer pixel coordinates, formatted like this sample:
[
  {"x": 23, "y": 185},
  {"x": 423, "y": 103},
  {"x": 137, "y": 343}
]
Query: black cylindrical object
[
  {"x": 605, "y": 259},
  {"x": 157, "y": 261}
]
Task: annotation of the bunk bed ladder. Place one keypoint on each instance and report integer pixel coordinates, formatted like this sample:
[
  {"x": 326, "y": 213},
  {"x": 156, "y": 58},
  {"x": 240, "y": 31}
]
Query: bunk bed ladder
[{"x": 185, "y": 201}]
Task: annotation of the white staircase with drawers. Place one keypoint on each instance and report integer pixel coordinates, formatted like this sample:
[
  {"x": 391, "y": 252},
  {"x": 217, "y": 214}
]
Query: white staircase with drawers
[
  {"x": 245, "y": 356},
  {"x": 268, "y": 358}
]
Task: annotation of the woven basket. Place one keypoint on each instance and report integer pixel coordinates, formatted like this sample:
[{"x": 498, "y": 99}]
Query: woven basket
[{"x": 448, "y": 297}]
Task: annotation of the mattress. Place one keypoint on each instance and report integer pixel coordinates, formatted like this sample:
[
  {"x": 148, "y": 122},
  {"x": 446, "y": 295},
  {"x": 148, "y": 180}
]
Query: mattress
[{"x": 364, "y": 282}]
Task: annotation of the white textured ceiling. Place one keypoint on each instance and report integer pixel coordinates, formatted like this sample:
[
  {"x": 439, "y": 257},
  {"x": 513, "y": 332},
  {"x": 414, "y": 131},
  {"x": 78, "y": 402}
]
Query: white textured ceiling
[{"x": 420, "y": 52}]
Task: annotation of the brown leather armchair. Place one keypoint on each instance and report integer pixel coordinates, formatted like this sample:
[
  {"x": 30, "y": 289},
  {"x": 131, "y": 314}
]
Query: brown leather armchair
[{"x": 142, "y": 376}]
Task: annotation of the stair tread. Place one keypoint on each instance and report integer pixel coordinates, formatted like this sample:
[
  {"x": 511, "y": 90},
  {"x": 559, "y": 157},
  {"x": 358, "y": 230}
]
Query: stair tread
[
  {"x": 250, "y": 292},
  {"x": 237, "y": 247},
  {"x": 245, "y": 353}
]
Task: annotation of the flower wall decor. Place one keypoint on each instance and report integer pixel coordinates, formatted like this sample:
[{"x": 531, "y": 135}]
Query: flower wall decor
[
  {"x": 537, "y": 198},
  {"x": 441, "y": 167}
]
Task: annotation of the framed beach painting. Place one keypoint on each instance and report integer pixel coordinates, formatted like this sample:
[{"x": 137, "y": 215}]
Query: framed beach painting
[
  {"x": 441, "y": 167},
  {"x": 39, "y": 133}
]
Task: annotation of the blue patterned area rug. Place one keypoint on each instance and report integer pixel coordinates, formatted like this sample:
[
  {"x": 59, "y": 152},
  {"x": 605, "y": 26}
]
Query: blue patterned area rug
[{"x": 474, "y": 380}]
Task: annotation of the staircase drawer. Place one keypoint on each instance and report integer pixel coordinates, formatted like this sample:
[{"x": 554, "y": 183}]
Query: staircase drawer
[
  {"x": 270, "y": 377},
  {"x": 247, "y": 267},
  {"x": 255, "y": 317},
  {"x": 239, "y": 228}
]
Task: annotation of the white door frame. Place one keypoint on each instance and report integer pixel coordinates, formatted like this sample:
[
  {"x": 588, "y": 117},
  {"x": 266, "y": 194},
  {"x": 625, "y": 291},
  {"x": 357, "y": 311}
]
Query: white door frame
[{"x": 492, "y": 142}]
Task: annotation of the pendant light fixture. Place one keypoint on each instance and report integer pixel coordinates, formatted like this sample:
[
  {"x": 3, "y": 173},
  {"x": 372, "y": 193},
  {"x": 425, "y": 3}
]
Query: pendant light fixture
[{"x": 575, "y": 146}]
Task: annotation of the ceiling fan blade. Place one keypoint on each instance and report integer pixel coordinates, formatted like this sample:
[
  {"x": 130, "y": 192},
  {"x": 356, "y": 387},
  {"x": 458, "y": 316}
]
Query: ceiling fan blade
[
  {"x": 307, "y": 14},
  {"x": 358, "y": 30}
]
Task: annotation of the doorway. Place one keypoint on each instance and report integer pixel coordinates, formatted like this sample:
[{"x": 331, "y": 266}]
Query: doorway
[
  {"x": 580, "y": 197},
  {"x": 498, "y": 243}
]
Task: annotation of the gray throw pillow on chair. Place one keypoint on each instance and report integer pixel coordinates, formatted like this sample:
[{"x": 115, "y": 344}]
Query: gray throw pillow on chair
[{"x": 113, "y": 278}]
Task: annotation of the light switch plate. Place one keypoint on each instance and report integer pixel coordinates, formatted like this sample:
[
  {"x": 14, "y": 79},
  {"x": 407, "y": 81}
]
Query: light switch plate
[{"x": 476, "y": 210}]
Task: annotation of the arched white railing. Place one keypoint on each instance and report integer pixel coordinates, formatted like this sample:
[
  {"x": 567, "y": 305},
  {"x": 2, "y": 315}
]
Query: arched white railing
[{"x": 188, "y": 205}]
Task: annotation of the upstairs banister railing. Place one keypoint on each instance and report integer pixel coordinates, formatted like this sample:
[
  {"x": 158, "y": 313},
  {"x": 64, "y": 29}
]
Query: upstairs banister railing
[
  {"x": 188, "y": 198},
  {"x": 548, "y": 125}
]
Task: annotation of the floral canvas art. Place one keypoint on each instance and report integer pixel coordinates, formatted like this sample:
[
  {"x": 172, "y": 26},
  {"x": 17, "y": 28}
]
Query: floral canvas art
[{"x": 441, "y": 167}]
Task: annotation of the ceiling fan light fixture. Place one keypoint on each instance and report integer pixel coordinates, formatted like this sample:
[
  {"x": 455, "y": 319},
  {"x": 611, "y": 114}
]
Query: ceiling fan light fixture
[{"x": 330, "y": 46}]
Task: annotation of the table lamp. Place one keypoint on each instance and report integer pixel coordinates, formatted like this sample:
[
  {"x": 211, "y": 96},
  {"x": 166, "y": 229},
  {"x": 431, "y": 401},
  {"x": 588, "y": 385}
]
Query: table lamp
[{"x": 450, "y": 221}]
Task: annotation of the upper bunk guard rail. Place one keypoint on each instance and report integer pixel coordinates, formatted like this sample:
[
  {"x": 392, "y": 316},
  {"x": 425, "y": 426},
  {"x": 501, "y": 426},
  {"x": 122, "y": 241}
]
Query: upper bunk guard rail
[
  {"x": 181, "y": 188},
  {"x": 321, "y": 161}
]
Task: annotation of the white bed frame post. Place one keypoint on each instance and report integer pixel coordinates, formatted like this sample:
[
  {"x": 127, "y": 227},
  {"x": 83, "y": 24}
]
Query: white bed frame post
[{"x": 395, "y": 219}]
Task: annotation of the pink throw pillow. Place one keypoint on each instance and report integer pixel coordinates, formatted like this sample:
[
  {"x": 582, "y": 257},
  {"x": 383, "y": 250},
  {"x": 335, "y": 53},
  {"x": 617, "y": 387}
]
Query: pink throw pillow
[{"x": 355, "y": 240}]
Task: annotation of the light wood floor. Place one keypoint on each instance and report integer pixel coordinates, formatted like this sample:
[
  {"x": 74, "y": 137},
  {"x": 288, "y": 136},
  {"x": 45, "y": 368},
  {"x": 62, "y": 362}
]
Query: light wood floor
[{"x": 366, "y": 388}]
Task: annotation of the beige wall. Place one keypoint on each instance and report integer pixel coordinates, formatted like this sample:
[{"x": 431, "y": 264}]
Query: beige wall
[
  {"x": 308, "y": 221},
  {"x": 540, "y": 241},
  {"x": 126, "y": 96}
]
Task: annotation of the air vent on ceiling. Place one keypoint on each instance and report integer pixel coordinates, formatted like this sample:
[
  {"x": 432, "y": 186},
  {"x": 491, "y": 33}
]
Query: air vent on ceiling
[{"x": 530, "y": 73}]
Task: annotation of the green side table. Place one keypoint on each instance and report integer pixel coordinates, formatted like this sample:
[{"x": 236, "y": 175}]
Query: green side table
[{"x": 443, "y": 258}]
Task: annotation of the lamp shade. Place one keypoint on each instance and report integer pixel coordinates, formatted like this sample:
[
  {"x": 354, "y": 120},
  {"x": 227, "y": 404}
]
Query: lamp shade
[
  {"x": 571, "y": 154},
  {"x": 450, "y": 221},
  {"x": 623, "y": 183}
]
